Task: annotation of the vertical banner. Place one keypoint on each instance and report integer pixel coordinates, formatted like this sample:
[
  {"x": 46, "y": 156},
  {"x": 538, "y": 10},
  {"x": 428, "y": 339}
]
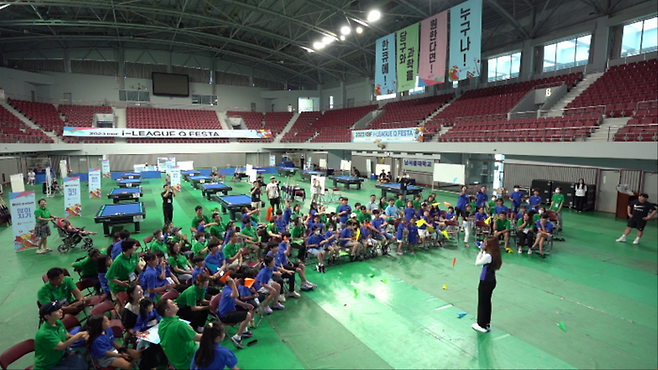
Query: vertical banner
[
  {"x": 72, "y": 204},
  {"x": 407, "y": 53},
  {"x": 465, "y": 40},
  {"x": 272, "y": 160},
  {"x": 174, "y": 174},
  {"x": 94, "y": 183},
  {"x": 63, "y": 168},
  {"x": 385, "y": 80},
  {"x": 105, "y": 168},
  {"x": 433, "y": 45},
  {"x": 23, "y": 205},
  {"x": 171, "y": 163}
]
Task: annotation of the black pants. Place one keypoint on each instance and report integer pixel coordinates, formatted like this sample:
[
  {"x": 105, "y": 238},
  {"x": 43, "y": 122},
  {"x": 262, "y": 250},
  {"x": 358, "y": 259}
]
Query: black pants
[
  {"x": 485, "y": 290},
  {"x": 301, "y": 251},
  {"x": 196, "y": 318},
  {"x": 580, "y": 203},
  {"x": 526, "y": 240},
  {"x": 289, "y": 277},
  {"x": 168, "y": 212}
]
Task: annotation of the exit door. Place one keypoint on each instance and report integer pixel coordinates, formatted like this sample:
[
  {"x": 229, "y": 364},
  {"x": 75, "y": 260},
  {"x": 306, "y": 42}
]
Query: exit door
[{"x": 606, "y": 200}]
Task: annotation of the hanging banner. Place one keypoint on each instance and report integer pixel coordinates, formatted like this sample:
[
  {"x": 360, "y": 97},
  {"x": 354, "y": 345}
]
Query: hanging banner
[
  {"x": 465, "y": 40},
  {"x": 433, "y": 45},
  {"x": 174, "y": 176},
  {"x": 171, "y": 163},
  {"x": 72, "y": 203},
  {"x": 23, "y": 205},
  {"x": 94, "y": 183},
  {"x": 385, "y": 80},
  {"x": 105, "y": 168},
  {"x": 388, "y": 135},
  {"x": 272, "y": 160},
  {"x": 164, "y": 133},
  {"x": 418, "y": 165},
  {"x": 407, "y": 53}
]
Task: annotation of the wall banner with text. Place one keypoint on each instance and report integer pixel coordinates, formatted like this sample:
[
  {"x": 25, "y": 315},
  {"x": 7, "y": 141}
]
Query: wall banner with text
[{"x": 465, "y": 40}]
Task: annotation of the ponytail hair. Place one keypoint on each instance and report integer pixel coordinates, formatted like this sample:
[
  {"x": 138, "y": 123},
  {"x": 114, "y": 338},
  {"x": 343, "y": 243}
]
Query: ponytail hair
[{"x": 206, "y": 353}]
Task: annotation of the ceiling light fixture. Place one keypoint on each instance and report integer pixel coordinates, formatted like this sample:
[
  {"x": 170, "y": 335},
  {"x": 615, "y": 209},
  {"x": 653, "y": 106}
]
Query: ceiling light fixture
[
  {"x": 327, "y": 40},
  {"x": 345, "y": 30},
  {"x": 359, "y": 29},
  {"x": 374, "y": 16},
  {"x": 318, "y": 45},
  {"x": 342, "y": 37}
]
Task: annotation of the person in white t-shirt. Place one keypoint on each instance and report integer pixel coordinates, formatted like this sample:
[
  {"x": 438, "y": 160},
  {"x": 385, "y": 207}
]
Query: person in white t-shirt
[
  {"x": 581, "y": 195},
  {"x": 273, "y": 194},
  {"x": 31, "y": 177}
]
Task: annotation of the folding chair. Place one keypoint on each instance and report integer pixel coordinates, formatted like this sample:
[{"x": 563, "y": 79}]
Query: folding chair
[
  {"x": 482, "y": 231},
  {"x": 88, "y": 284},
  {"x": 172, "y": 294},
  {"x": 15, "y": 352},
  {"x": 103, "y": 308},
  {"x": 452, "y": 228},
  {"x": 70, "y": 322},
  {"x": 557, "y": 226},
  {"x": 122, "y": 298}
]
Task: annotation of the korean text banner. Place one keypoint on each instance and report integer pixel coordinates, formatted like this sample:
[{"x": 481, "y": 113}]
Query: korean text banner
[
  {"x": 94, "y": 183},
  {"x": 23, "y": 221},
  {"x": 465, "y": 40},
  {"x": 72, "y": 204},
  {"x": 174, "y": 174},
  {"x": 433, "y": 46},
  {"x": 385, "y": 78},
  {"x": 164, "y": 133},
  {"x": 105, "y": 168},
  {"x": 388, "y": 135},
  {"x": 407, "y": 53},
  {"x": 418, "y": 165}
]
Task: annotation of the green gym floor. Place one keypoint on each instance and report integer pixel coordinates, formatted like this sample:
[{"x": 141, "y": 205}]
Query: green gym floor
[{"x": 604, "y": 293}]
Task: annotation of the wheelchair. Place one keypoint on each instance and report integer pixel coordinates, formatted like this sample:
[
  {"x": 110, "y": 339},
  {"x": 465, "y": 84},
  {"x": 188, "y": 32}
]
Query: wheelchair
[{"x": 71, "y": 240}]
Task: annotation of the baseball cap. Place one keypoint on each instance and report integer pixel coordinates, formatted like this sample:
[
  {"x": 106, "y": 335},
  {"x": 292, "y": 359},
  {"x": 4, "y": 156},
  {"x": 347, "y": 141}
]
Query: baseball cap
[
  {"x": 49, "y": 308},
  {"x": 272, "y": 177},
  {"x": 353, "y": 215}
]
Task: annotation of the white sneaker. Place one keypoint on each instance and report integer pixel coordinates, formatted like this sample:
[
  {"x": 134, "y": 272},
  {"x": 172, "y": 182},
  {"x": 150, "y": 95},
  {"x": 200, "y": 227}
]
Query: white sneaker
[
  {"x": 41, "y": 251},
  {"x": 636, "y": 241},
  {"x": 282, "y": 298},
  {"x": 477, "y": 327},
  {"x": 622, "y": 239},
  {"x": 311, "y": 285},
  {"x": 293, "y": 294},
  {"x": 520, "y": 250}
]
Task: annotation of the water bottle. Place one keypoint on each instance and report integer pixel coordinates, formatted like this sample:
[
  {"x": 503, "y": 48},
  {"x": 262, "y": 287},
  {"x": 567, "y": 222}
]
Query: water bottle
[{"x": 480, "y": 244}]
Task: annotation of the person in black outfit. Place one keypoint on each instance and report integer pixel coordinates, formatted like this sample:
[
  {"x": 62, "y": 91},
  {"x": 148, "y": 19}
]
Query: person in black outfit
[
  {"x": 580, "y": 198},
  {"x": 639, "y": 211},
  {"x": 356, "y": 172},
  {"x": 490, "y": 260},
  {"x": 168, "y": 203},
  {"x": 404, "y": 184}
]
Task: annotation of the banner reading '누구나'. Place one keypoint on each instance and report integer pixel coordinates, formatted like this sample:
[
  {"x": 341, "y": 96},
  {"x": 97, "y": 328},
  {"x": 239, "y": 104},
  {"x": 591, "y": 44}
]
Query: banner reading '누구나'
[{"x": 165, "y": 133}]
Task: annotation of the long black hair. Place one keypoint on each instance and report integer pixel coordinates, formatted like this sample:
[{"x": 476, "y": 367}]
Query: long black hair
[
  {"x": 145, "y": 303},
  {"x": 206, "y": 353},
  {"x": 95, "y": 326}
]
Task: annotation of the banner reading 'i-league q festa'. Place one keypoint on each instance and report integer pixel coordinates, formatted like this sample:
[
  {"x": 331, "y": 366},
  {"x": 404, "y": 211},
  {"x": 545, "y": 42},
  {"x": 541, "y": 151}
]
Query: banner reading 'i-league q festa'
[
  {"x": 385, "y": 80},
  {"x": 433, "y": 45},
  {"x": 72, "y": 203},
  {"x": 411, "y": 134},
  {"x": 23, "y": 221},
  {"x": 105, "y": 168},
  {"x": 94, "y": 183},
  {"x": 465, "y": 40},
  {"x": 407, "y": 63}
]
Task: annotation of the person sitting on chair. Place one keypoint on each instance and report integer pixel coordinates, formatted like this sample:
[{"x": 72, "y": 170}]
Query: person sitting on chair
[
  {"x": 382, "y": 178},
  {"x": 54, "y": 187},
  {"x": 544, "y": 232},
  {"x": 62, "y": 289},
  {"x": 356, "y": 172}
]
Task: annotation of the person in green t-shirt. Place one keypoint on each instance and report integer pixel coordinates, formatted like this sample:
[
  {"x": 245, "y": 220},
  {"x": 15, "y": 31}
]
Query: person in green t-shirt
[
  {"x": 537, "y": 215},
  {"x": 400, "y": 203},
  {"x": 42, "y": 228},
  {"x": 176, "y": 337},
  {"x": 248, "y": 233},
  {"x": 297, "y": 233},
  {"x": 525, "y": 231},
  {"x": 198, "y": 219},
  {"x": 52, "y": 340},
  {"x": 216, "y": 227},
  {"x": 416, "y": 202},
  {"x": 557, "y": 201},
  {"x": 296, "y": 212},
  {"x": 62, "y": 289},
  {"x": 157, "y": 243},
  {"x": 502, "y": 228},
  {"x": 231, "y": 250},
  {"x": 491, "y": 204},
  {"x": 122, "y": 271},
  {"x": 88, "y": 266},
  {"x": 179, "y": 263},
  {"x": 200, "y": 244},
  {"x": 363, "y": 215}
]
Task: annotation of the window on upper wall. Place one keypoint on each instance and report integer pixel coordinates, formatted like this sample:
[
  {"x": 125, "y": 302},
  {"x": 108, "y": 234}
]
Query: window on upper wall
[
  {"x": 640, "y": 37},
  {"x": 567, "y": 53},
  {"x": 504, "y": 67}
]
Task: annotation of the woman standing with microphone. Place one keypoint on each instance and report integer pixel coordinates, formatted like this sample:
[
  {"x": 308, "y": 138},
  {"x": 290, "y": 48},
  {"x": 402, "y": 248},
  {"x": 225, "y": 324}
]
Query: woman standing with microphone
[
  {"x": 490, "y": 260},
  {"x": 581, "y": 195}
]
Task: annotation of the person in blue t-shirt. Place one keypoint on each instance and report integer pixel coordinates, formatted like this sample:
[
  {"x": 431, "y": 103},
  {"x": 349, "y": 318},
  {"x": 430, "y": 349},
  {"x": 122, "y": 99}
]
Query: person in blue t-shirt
[
  {"x": 331, "y": 243},
  {"x": 148, "y": 279},
  {"x": 412, "y": 236},
  {"x": 344, "y": 210},
  {"x": 287, "y": 212},
  {"x": 535, "y": 200},
  {"x": 516, "y": 198},
  {"x": 103, "y": 347},
  {"x": 148, "y": 317},
  {"x": 211, "y": 355},
  {"x": 364, "y": 239},
  {"x": 346, "y": 241},
  {"x": 410, "y": 211},
  {"x": 462, "y": 201},
  {"x": 522, "y": 210},
  {"x": 215, "y": 261},
  {"x": 544, "y": 232},
  {"x": 315, "y": 244},
  {"x": 450, "y": 215},
  {"x": 481, "y": 197},
  {"x": 267, "y": 287},
  {"x": 480, "y": 216},
  {"x": 400, "y": 234},
  {"x": 116, "y": 247},
  {"x": 392, "y": 210},
  {"x": 378, "y": 231},
  {"x": 500, "y": 207},
  {"x": 232, "y": 311}
]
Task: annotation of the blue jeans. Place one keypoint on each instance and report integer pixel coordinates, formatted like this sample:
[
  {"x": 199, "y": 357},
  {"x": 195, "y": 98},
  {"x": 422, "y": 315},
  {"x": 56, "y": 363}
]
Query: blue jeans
[{"x": 72, "y": 362}]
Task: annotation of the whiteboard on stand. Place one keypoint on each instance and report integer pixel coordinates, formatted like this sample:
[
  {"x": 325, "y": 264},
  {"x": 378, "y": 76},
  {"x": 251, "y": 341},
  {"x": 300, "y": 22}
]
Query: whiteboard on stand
[
  {"x": 322, "y": 163},
  {"x": 17, "y": 183},
  {"x": 449, "y": 173},
  {"x": 380, "y": 167}
]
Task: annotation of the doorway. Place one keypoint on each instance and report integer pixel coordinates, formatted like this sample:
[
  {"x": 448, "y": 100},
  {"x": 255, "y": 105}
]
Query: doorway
[{"x": 606, "y": 200}]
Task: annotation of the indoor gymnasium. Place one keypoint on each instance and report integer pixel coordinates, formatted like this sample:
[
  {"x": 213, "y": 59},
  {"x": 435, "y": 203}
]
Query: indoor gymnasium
[{"x": 407, "y": 184}]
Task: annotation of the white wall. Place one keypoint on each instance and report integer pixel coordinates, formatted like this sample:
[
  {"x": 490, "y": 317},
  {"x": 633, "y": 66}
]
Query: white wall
[
  {"x": 281, "y": 99},
  {"x": 359, "y": 91}
]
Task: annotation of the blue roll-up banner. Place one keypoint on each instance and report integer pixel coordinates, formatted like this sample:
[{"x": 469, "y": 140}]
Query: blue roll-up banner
[
  {"x": 465, "y": 40},
  {"x": 385, "y": 62}
]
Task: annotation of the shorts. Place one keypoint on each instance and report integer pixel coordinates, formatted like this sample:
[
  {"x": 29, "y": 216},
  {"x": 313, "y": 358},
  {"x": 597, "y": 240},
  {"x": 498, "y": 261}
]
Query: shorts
[
  {"x": 383, "y": 235},
  {"x": 275, "y": 201},
  {"x": 637, "y": 224},
  {"x": 255, "y": 205},
  {"x": 315, "y": 251},
  {"x": 41, "y": 230},
  {"x": 234, "y": 317},
  {"x": 423, "y": 233},
  {"x": 106, "y": 361}
]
